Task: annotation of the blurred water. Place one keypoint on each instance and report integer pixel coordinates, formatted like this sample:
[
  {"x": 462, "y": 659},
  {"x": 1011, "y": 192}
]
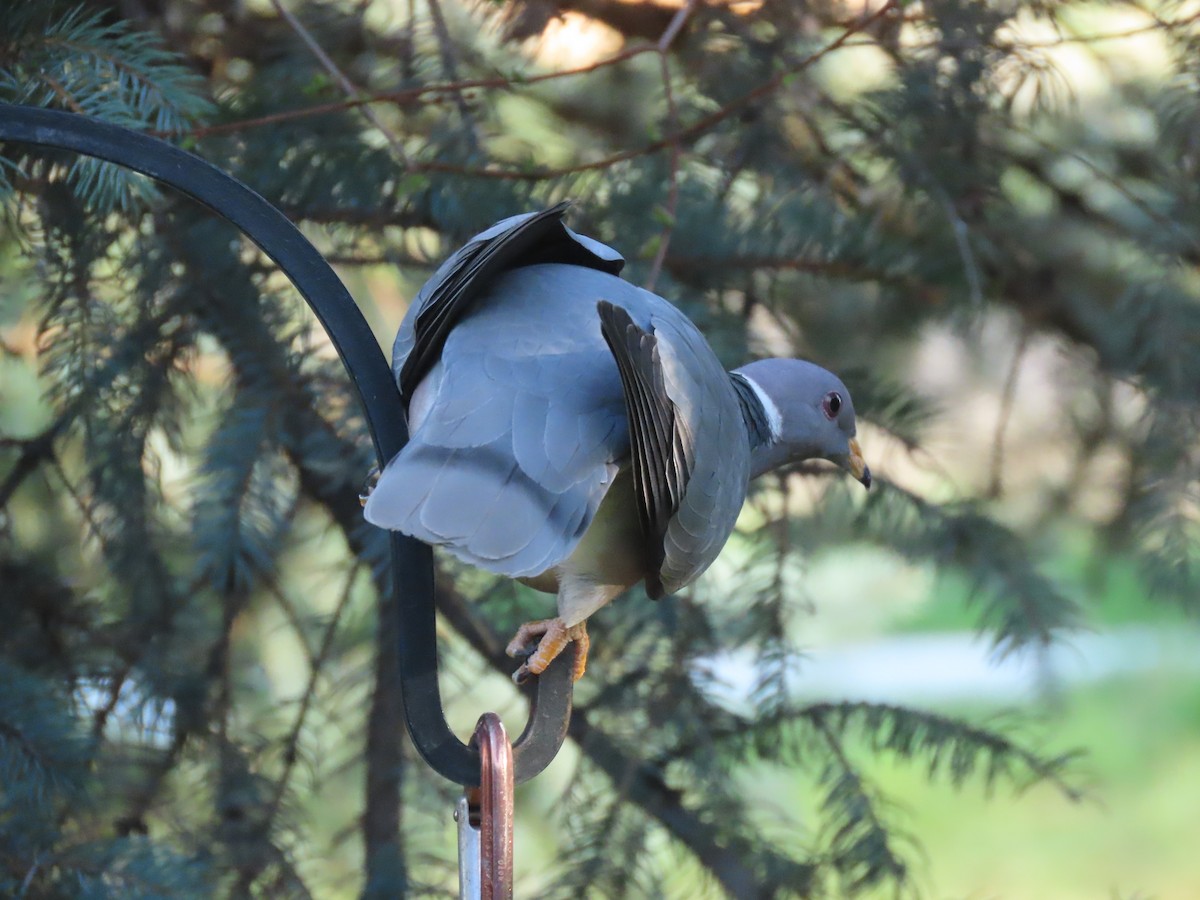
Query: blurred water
[{"x": 956, "y": 667}]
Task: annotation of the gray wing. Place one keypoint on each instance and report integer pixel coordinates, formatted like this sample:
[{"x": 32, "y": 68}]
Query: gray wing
[
  {"x": 660, "y": 458},
  {"x": 518, "y": 428},
  {"x": 689, "y": 449},
  {"x": 528, "y": 239},
  {"x": 710, "y": 421}
]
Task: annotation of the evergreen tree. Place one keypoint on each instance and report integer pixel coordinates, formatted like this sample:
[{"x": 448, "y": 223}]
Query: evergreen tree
[{"x": 197, "y": 693}]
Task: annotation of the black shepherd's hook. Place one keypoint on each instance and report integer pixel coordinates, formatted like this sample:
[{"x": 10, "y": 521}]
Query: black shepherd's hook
[{"x": 412, "y": 562}]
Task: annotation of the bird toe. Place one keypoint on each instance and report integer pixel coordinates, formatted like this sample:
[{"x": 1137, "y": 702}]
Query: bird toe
[
  {"x": 369, "y": 485},
  {"x": 527, "y": 639}
]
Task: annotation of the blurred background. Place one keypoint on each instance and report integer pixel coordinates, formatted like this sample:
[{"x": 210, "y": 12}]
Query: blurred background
[{"x": 979, "y": 680}]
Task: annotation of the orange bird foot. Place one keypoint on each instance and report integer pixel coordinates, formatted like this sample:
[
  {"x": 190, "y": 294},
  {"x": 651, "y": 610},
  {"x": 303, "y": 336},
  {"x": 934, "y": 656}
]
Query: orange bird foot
[
  {"x": 543, "y": 641},
  {"x": 369, "y": 485}
]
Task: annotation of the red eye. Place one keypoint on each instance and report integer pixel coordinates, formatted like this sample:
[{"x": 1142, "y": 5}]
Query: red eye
[{"x": 832, "y": 404}]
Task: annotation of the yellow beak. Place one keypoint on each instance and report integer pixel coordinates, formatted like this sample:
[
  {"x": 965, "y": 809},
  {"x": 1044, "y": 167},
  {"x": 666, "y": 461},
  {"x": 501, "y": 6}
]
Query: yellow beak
[{"x": 858, "y": 465}]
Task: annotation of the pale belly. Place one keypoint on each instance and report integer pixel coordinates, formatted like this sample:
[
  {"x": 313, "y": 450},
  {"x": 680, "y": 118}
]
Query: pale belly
[{"x": 609, "y": 559}]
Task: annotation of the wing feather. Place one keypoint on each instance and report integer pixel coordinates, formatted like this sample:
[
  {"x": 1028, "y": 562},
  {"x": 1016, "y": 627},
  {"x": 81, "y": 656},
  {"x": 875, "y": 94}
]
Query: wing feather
[
  {"x": 530, "y": 239},
  {"x": 658, "y": 452},
  {"x": 715, "y": 446}
]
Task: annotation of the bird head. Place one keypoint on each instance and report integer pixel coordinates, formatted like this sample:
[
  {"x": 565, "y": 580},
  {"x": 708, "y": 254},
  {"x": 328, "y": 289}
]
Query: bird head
[{"x": 810, "y": 416}]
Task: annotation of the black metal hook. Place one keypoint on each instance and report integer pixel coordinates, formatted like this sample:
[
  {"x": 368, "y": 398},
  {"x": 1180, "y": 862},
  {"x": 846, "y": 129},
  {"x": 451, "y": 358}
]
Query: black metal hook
[{"x": 412, "y": 562}]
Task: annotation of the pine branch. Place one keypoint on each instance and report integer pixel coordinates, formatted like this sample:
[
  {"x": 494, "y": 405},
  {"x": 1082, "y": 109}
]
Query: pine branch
[
  {"x": 243, "y": 507},
  {"x": 350, "y": 89},
  {"x": 1164, "y": 511},
  {"x": 71, "y": 59},
  {"x": 33, "y": 453},
  {"x": 413, "y": 96},
  {"x": 1020, "y": 606},
  {"x": 860, "y": 843},
  {"x": 227, "y": 304},
  {"x": 682, "y": 137},
  {"x": 43, "y": 760},
  {"x": 947, "y": 745},
  {"x": 133, "y": 867},
  {"x": 316, "y": 671}
]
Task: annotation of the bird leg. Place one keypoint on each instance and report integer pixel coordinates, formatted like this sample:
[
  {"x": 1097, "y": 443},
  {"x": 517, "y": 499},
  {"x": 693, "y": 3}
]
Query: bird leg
[
  {"x": 369, "y": 485},
  {"x": 543, "y": 641}
]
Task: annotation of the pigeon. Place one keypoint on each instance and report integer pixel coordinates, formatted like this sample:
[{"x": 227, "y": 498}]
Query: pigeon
[{"x": 575, "y": 432}]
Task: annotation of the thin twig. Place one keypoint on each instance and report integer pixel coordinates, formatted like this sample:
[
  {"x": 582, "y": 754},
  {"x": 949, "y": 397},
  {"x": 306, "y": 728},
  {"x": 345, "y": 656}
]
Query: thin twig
[
  {"x": 348, "y": 86},
  {"x": 676, "y": 25},
  {"x": 388, "y": 259},
  {"x": 962, "y": 241},
  {"x": 450, "y": 68},
  {"x": 412, "y": 95},
  {"x": 1115, "y": 183},
  {"x": 683, "y": 136},
  {"x": 64, "y": 95},
  {"x": 316, "y": 665},
  {"x": 672, "y": 127},
  {"x": 292, "y": 615},
  {"x": 100, "y": 717},
  {"x": 34, "y": 452},
  {"x": 81, "y": 504},
  {"x": 1007, "y": 394}
]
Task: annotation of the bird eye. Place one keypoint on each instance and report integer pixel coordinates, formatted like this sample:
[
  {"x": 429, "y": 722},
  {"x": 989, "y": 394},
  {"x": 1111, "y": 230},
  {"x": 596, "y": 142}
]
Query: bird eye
[{"x": 832, "y": 404}]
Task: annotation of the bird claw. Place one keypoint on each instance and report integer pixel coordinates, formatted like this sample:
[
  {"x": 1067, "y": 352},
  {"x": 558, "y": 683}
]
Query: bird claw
[
  {"x": 523, "y": 674},
  {"x": 539, "y": 644},
  {"x": 369, "y": 485},
  {"x": 528, "y": 638}
]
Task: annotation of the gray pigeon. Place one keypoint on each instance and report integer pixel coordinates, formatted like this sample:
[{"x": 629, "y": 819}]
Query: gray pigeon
[{"x": 577, "y": 433}]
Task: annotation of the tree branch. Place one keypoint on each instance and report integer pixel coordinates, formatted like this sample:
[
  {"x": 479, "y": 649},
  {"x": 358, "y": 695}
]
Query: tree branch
[
  {"x": 347, "y": 86},
  {"x": 34, "y": 451},
  {"x": 672, "y": 126},
  {"x": 681, "y": 137},
  {"x": 450, "y": 68}
]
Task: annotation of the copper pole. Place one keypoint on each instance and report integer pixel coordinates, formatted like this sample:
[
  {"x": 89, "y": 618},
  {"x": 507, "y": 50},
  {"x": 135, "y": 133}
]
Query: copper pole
[{"x": 495, "y": 808}]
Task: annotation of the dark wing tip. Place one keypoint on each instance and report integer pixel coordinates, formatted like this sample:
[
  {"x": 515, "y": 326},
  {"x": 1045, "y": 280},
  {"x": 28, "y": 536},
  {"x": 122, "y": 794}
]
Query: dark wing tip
[
  {"x": 659, "y": 465},
  {"x": 613, "y": 319},
  {"x": 478, "y": 265}
]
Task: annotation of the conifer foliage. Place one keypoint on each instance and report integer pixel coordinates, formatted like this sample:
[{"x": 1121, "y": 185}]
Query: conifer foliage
[{"x": 198, "y": 695}]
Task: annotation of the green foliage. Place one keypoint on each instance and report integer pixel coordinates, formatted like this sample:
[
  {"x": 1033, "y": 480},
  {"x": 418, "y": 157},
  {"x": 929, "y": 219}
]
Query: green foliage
[
  {"x": 196, "y": 691},
  {"x": 244, "y": 506},
  {"x": 42, "y": 756},
  {"x": 1018, "y": 604},
  {"x": 62, "y": 56}
]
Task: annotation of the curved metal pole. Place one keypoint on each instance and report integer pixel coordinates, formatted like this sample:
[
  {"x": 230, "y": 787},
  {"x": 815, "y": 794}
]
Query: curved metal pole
[{"x": 412, "y": 561}]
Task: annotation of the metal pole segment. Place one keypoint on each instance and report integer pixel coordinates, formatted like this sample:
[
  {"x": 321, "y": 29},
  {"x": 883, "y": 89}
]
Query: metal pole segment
[
  {"x": 496, "y": 808},
  {"x": 412, "y": 562},
  {"x": 469, "y": 871}
]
